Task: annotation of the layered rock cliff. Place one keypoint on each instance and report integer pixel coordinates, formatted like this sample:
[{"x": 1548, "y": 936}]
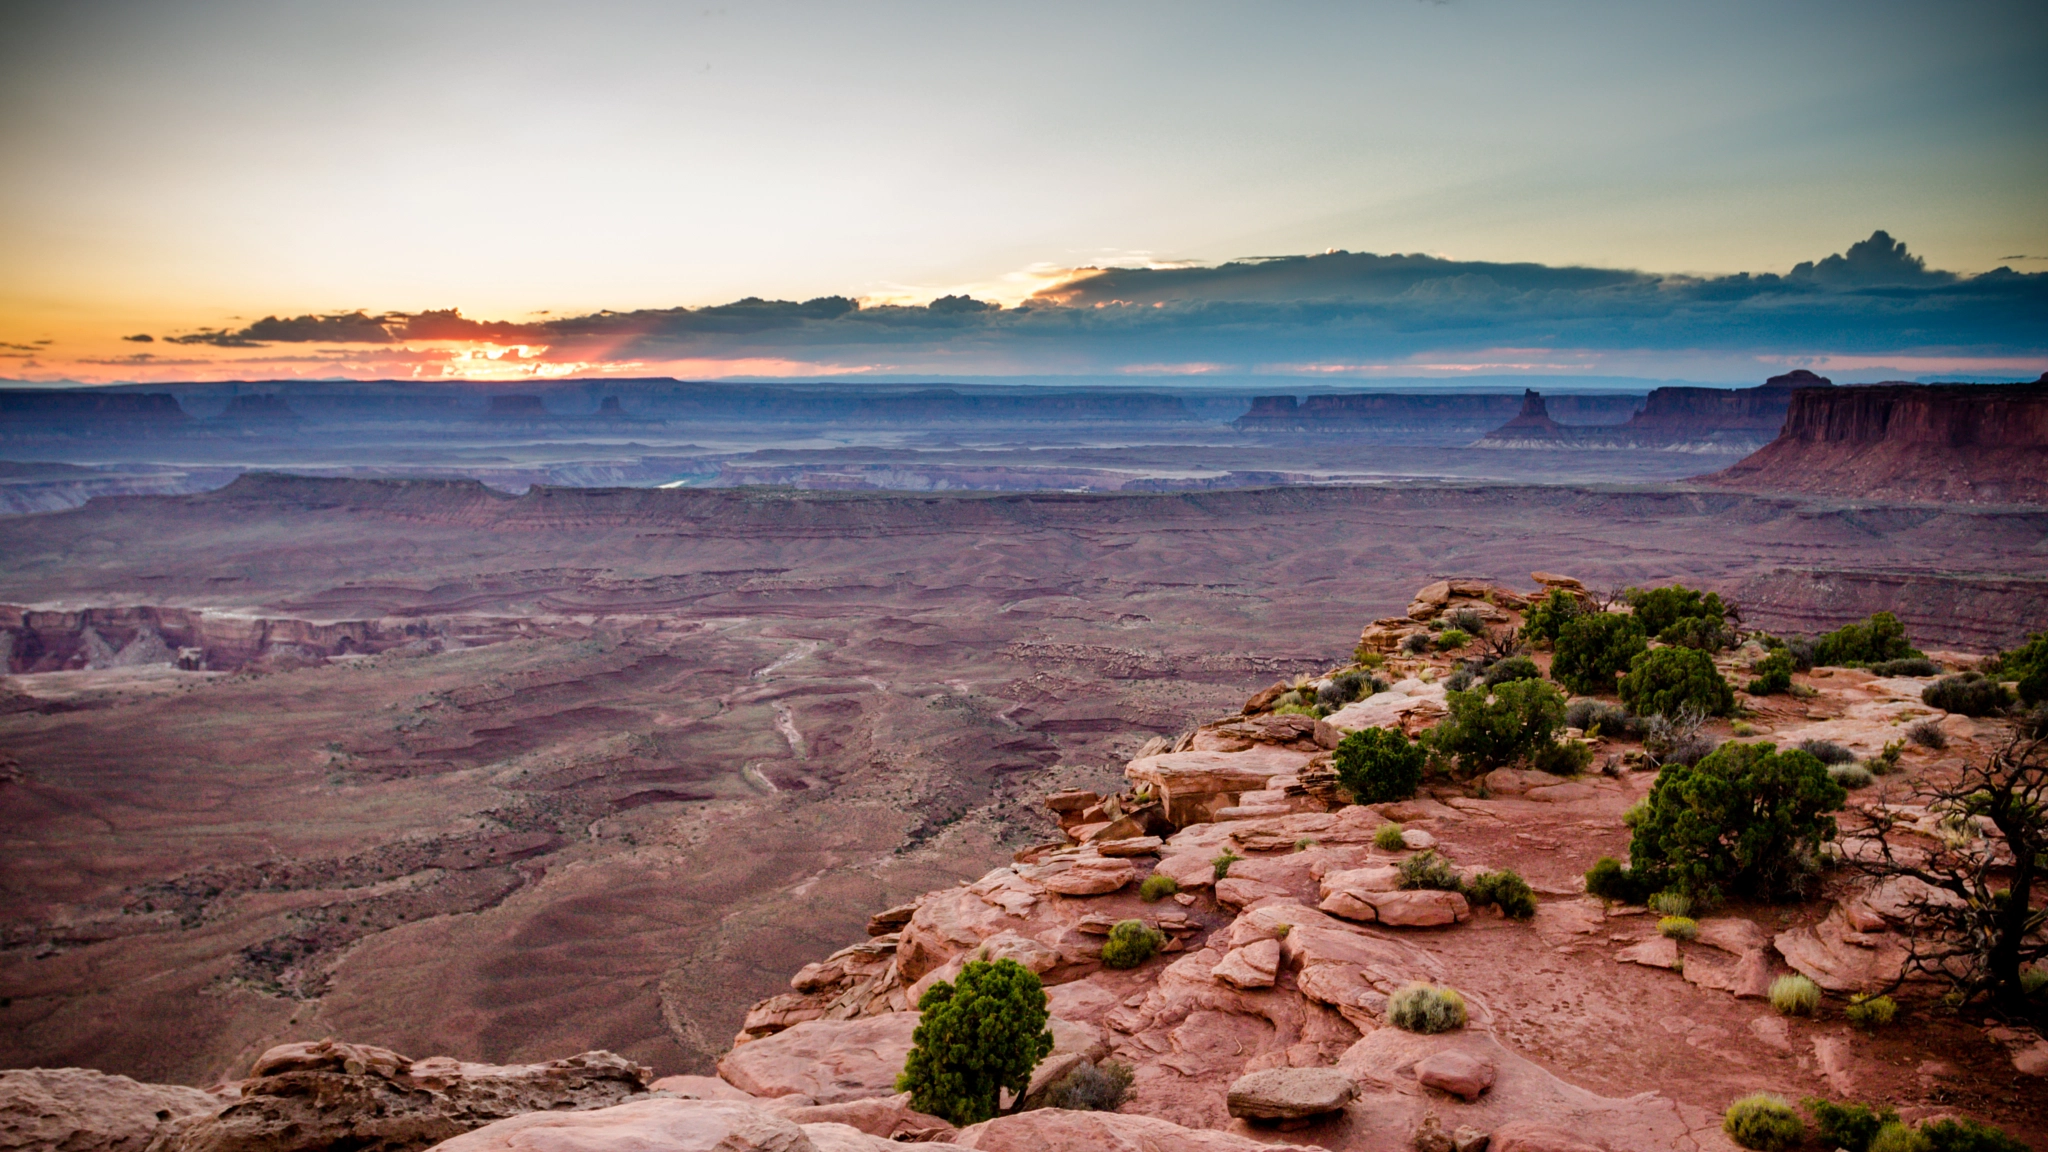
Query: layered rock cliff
[
  {"x": 1455, "y": 415},
  {"x": 1947, "y": 443}
]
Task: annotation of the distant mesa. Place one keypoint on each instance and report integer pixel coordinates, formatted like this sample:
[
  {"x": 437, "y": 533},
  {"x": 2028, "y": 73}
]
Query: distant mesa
[
  {"x": 258, "y": 408},
  {"x": 1457, "y": 415},
  {"x": 1676, "y": 419},
  {"x": 1948, "y": 443},
  {"x": 83, "y": 412},
  {"x": 517, "y": 407}
]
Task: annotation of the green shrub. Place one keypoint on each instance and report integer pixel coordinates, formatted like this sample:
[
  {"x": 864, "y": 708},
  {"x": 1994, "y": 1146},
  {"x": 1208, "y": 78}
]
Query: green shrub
[
  {"x": 1659, "y": 608},
  {"x": 1376, "y": 765},
  {"x": 1426, "y": 869},
  {"x": 1694, "y": 632},
  {"x": 1870, "y": 1012},
  {"x": 1910, "y": 666},
  {"x": 1608, "y": 880},
  {"x": 1671, "y": 904},
  {"x": 1158, "y": 886},
  {"x": 1679, "y": 927},
  {"x": 1927, "y": 734},
  {"x": 1387, "y": 838},
  {"x": 1466, "y": 620},
  {"x": 1773, "y": 675},
  {"x": 1520, "y": 718},
  {"x": 1564, "y": 758},
  {"x": 2027, "y": 664},
  {"x": 1871, "y": 641},
  {"x": 975, "y": 1037},
  {"x": 1221, "y": 864},
  {"x": 1459, "y": 681},
  {"x": 1451, "y": 639},
  {"x": 1826, "y": 751},
  {"x": 1667, "y": 680},
  {"x": 1967, "y": 693},
  {"x": 2034, "y": 981},
  {"x": 1545, "y": 618},
  {"x": 1511, "y": 669},
  {"x": 1763, "y": 1122},
  {"x": 1415, "y": 644},
  {"x": 1505, "y": 890},
  {"x": 1896, "y": 1137},
  {"x": 1747, "y": 819},
  {"x": 1966, "y": 1136},
  {"x": 1130, "y": 944},
  {"x": 1850, "y": 1126},
  {"x": 1343, "y": 688},
  {"x": 1850, "y": 776},
  {"x": 1593, "y": 649},
  {"x": 1589, "y": 716},
  {"x": 1426, "y": 1008},
  {"x": 1091, "y": 1088},
  {"x": 1794, "y": 995}
]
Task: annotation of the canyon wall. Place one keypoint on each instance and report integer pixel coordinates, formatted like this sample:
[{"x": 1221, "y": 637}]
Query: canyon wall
[
  {"x": 1456, "y": 414},
  {"x": 1950, "y": 443}
]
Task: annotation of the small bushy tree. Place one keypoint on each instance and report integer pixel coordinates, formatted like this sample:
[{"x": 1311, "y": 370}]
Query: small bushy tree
[
  {"x": 975, "y": 1037},
  {"x": 1773, "y": 674},
  {"x": 2028, "y": 665},
  {"x": 1665, "y": 681},
  {"x": 1881, "y": 637},
  {"x": 1593, "y": 649},
  {"x": 1513, "y": 668},
  {"x": 1543, "y": 620},
  {"x": 1747, "y": 819},
  {"x": 1967, "y": 694},
  {"x": 1519, "y": 719},
  {"x": 1659, "y": 608},
  {"x": 1376, "y": 765}
]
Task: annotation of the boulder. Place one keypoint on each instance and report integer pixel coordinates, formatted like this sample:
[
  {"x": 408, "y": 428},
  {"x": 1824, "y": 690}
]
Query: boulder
[
  {"x": 1132, "y": 846},
  {"x": 80, "y": 1110},
  {"x": 1056, "y": 1130},
  {"x": 1290, "y": 1093},
  {"x": 830, "y": 1137},
  {"x": 662, "y": 1124},
  {"x": 1458, "y": 1072},
  {"x": 1402, "y": 908},
  {"x": 309, "y": 1096},
  {"x": 831, "y": 1061},
  {"x": 1417, "y": 840},
  {"x": 1083, "y": 875},
  {"x": 1194, "y": 785},
  {"x": 1410, "y": 706},
  {"x": 1255, "y": 965},
  {"x": 1839, "y": 958}
]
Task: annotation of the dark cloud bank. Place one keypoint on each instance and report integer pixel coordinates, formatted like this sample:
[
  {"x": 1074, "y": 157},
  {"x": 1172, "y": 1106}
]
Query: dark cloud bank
[{"x": 1873, "y": 299}]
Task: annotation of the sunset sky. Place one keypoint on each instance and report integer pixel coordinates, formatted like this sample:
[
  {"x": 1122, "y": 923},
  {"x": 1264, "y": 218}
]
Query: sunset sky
[{"x": 1576, "y": 185}]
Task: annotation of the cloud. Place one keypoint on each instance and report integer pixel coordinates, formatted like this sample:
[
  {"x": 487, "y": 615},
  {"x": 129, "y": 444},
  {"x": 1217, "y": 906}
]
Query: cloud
[
  {"x": 1878, "y": 260},
  {"x": 140, "y": 338},
  {"x": 1361, "y": 311},
  {"x": 341, "y": 327}
]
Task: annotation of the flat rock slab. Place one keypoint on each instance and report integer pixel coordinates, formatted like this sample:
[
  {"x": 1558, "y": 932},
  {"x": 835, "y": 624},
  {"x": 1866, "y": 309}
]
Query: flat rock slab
[
  {"x": 831, "y": 1061},
  {"x": 1290, "y": 1093},
  {"x": 1255, "y": 965},
  {"x": 1656, "y": 952},
  {"x": 80, "y": 1110},
  {"x": 1056, "y": 1130},
  {"x": 1409, "y": 908},
  {"x": 664, "y": 1123}
]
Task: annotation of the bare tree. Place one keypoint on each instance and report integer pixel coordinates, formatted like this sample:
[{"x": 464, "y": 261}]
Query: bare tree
[{"x": 1972, "y": 917}]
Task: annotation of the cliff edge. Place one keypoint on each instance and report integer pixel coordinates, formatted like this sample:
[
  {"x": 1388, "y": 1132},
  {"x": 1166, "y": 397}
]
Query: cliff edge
[{"x": 1944, "y": 443}]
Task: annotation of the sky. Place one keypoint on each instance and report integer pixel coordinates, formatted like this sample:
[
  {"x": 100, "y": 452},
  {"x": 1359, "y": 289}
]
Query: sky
[{"x": 508, "y": 190}]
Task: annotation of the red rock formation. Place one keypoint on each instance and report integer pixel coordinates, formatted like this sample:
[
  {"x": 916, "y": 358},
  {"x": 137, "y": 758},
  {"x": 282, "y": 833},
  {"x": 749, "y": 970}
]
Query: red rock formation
[
  {"x": 1949, "y": 443},
  {"x": 1388, "y": 411},
  {"x": 1705, "y": 419}
]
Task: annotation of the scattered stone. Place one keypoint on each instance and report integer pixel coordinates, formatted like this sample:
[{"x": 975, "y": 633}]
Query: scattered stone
[
  {"x": 1430, "y": 1136},
  {"x": 1290, "y": 1093},
  {"x": 1416, "y": 840},
  {"x": 80, "y": 1110},
  {"x": 1469, "y": 1139},
  {"x": 1773, "y": 1032},
  {"x": 1456, "y": 1072},
  {"x": 1841, "y": 959},
  {"x": 1402, "y": 908}
]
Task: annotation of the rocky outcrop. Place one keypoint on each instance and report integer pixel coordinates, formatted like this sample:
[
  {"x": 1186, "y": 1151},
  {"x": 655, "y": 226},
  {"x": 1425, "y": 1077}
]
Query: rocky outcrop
[
  {"x": 86, "y": 412},
  {"x": 1947, "y": 443},
  {"x": 47, "y": 640},
  {"x": 659, "y": 1125},
  {"x": 80, "y": 1110},
  {"x": 1684, "y": 419},
  {"x": 317, "y": 1096},
  {"x": 826, "y": 1061},
  {"x": 1052, "y": 1130}
]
